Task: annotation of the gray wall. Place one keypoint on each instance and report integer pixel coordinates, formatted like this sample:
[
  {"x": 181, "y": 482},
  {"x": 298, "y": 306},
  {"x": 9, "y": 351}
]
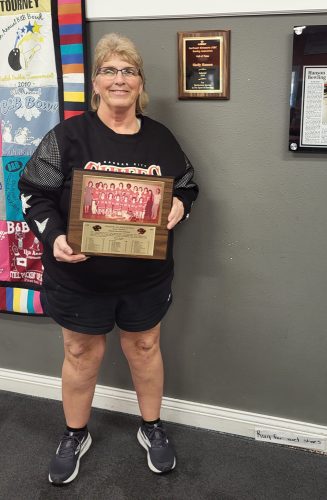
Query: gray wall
[{"x": 247, "y": 329}]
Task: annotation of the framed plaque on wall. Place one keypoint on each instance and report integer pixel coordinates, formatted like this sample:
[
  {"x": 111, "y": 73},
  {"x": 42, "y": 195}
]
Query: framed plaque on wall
[
  {"x": 308, "y": 102},
  {"x": 203, "y": 64}
]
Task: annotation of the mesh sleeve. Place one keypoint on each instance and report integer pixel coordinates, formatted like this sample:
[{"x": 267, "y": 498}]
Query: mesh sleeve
[
  {"x": 185, "y": 188},
  {"x": 185, "y": 181},
  {"x": 40, "y": 187},
  {"x": 44, "y": 168}
]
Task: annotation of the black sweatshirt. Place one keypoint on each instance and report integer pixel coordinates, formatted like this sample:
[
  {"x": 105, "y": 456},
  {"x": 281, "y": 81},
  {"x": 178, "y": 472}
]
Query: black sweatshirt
[{"x": 85, "y": 142}]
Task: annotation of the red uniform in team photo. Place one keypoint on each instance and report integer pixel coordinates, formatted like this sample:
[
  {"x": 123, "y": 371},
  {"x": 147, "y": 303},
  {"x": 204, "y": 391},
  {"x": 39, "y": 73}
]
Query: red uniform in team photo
[{"x": 122, "y": 201}]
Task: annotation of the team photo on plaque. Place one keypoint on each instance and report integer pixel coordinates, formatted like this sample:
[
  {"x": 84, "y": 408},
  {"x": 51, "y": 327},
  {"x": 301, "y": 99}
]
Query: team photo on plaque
[
  {"x": 118, "y": 200},
  {"x": 119, "y": 215}
]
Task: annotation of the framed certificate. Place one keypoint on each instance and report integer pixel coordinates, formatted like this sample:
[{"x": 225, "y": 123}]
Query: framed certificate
[
  {"x": 203, "y": 64},
  {"x": 121, "y": 215},
  {"x": 308, "y": 101}
]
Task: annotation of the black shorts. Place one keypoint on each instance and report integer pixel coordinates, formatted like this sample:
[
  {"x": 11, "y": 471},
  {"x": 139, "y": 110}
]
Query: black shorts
[{"x": 96, "y": 314}]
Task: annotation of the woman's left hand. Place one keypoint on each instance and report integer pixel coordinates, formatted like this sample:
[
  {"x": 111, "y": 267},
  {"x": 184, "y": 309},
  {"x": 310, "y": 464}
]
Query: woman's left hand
[{"x": 176, "y": 213}]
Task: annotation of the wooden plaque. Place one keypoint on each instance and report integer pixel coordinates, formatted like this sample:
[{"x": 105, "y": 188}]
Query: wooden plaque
[
  {"x": 120, "y": 215},
  {"x": 203, "y": 64}
]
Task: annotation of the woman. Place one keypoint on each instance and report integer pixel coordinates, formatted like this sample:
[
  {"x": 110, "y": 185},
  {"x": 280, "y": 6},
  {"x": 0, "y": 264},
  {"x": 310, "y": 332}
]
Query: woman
[
  {"x": 136, "y": 192},
  {"x": 148, "y": 205},
  {"x": 95, "y": 198},
  {"x": 88, "y": 197},
  {"x": 156, "y": 203},
  {"x": 87, "y": 296}
]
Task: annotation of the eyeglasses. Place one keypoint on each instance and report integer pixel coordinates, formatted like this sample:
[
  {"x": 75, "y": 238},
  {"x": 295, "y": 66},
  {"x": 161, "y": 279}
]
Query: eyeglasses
[{"x": 111, "y": 72}]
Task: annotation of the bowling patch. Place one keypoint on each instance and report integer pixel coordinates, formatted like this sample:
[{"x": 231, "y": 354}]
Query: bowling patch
[
  {"x": 20, "y": 253},
  {"x": 13, "y": 167},
  {"x": 27, "y": 114},
  {"x": 27, "y": 50}
]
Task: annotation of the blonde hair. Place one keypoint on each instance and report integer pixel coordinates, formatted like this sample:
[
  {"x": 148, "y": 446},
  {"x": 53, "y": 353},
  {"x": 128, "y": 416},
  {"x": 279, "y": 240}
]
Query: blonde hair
[{"x": 114, "y": 44}]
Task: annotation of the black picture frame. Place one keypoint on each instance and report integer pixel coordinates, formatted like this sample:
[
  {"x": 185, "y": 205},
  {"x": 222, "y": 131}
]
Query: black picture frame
[{"x": 308, "y": 98}]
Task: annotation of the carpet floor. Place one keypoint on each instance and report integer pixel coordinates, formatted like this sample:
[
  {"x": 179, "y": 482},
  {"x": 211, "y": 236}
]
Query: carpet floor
[{"x": 210, "y": 465}]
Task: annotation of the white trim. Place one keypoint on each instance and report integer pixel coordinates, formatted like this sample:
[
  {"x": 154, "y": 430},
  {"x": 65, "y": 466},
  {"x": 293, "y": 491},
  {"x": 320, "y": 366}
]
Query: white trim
[
  {"x": 100, "y": 10},
  {"x": 173, "y": 410},
  {"x": 111, "y": 17}
]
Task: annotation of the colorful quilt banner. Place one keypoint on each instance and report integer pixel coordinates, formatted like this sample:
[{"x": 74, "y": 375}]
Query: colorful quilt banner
[{"x": 42, "y": 44}]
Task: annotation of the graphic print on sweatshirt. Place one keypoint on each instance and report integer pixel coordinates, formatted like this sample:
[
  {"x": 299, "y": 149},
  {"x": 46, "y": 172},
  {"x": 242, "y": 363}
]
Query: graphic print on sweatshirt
[{"x": 123, "y": 167}]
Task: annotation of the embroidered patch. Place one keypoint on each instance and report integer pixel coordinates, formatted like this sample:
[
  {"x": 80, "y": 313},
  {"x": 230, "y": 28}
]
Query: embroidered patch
[
  {"x": 41, "y": 225},
  {"x": 24, "y": 200}
]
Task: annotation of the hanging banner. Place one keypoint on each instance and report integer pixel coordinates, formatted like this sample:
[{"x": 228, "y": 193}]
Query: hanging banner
[{"x": 42, "y": 46}]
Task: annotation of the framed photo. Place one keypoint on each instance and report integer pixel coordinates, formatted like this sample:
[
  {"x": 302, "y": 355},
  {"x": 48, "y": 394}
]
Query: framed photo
[
  {"x": 119, "y": 215},
  {"x": 308, "y": 100},
  {"x": 203, "y": 64}
]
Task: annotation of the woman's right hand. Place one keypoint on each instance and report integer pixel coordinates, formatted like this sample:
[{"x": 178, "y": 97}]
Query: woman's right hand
[{"x": 64, "y": 253}]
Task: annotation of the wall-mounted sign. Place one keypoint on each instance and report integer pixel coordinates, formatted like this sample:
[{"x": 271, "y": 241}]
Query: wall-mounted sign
[
  {"x": 203, "y": 65},
  {"x": 308, "y": 103}
]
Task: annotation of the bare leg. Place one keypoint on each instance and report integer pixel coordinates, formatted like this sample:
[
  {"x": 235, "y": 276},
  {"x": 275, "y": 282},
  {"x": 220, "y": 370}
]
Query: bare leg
[
  {"x": 83, "y": 356},
  {"x": 142, "y": 350}
]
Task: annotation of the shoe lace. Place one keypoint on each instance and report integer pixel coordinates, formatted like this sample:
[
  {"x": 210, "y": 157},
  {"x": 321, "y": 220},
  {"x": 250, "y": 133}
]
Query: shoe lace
[
  {"x": 68, "y": 445},
  {"x": 157, "y": 437}
]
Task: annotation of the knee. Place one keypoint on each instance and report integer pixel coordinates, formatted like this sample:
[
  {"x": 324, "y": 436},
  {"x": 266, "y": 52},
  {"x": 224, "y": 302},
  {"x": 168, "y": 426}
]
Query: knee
[
  {"x": 82, "y": 353},
  {"x": 142, "y": 348},
  {"x": 146, "y": 346},
  {"x": 75, "y": 350}
]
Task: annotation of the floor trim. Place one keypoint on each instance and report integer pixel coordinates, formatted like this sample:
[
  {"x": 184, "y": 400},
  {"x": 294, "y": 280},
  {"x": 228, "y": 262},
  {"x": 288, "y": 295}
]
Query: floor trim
[{"x": 204, "y": 416}]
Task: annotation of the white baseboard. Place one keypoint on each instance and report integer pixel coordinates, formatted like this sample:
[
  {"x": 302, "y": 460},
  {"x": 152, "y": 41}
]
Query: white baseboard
[{"x": 204, "y": 416}]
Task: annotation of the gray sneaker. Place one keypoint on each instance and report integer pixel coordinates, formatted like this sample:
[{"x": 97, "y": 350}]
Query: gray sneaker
[
  {"x": 160, "y": 453},
  {"x": 64, "y": 465}
]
